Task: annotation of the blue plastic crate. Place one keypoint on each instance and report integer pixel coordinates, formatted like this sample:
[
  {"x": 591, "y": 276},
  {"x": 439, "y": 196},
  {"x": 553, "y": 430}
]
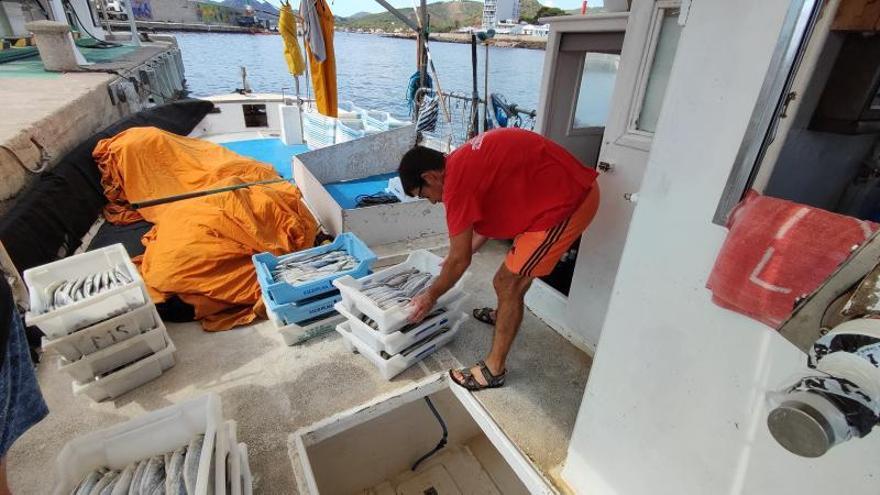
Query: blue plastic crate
[
  {"x": 309, "y": 309},
  {"x": 283, "y": 292}
]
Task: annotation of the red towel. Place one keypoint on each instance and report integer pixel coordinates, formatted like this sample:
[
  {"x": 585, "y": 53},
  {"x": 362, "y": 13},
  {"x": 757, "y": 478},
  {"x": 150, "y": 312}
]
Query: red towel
[{"x": 777, "y": 251}]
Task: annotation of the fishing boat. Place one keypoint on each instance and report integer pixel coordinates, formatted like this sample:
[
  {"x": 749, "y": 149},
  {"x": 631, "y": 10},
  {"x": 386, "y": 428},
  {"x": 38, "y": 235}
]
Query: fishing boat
[{"x": 737, "y": 148}]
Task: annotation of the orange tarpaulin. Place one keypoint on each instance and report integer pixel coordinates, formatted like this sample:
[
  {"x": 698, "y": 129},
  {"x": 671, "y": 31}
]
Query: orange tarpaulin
[{"x": 200, "y": 249}]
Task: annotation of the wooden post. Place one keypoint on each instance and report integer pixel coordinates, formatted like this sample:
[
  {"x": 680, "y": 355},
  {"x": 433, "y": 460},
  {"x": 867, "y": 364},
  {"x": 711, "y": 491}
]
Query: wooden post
[{"x": 422, "y": 40}]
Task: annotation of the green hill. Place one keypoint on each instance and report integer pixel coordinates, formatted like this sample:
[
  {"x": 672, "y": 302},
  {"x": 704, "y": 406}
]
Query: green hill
[{"x": 445, "y": 16}]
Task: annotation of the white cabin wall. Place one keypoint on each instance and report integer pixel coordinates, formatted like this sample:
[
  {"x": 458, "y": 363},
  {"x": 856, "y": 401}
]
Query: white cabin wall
[{"x": 675, "y": 402}]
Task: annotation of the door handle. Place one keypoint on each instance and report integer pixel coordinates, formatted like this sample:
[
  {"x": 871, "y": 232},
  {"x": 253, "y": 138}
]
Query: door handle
[{"x": 605, "y": 167}]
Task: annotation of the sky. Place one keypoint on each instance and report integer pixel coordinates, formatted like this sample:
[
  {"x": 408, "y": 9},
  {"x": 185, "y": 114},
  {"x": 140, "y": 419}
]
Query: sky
[{"x": 346, "y": 8}]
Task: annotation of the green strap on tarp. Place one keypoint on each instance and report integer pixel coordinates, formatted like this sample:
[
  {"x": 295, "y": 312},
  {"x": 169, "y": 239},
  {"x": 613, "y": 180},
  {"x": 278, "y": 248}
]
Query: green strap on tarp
[{"x": 17, "y": 53}]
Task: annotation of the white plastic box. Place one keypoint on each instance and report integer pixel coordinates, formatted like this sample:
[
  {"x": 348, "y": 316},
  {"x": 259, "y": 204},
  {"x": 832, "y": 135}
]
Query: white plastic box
[
  {"x": 106, "y": 333},
  {"x": 297, "y": 334},
  {"x": 393, "y": 343},
  {"x": 247, "y": 479},
  {"x": 396, "y": 364},
  {"x": 152, "y": 434},
  {"x": 233, "y": 481},
  {"x": 128, "y": 378},
  {"x": 391, "y": 320},
  {"x": 67, "y": 319},
  {"x": 96, "y": 364}
]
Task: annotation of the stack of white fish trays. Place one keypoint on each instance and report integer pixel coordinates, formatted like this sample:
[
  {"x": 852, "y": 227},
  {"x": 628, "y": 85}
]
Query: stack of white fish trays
[
  {"x": 96, "y": 313},
  {"x": 184, "y": 449},
  {"x": 319, "y": 130},
  {"x": 304, "y": 309},
  {"x": 380, "y": 121},
  {"x": 384, "y": 335}
]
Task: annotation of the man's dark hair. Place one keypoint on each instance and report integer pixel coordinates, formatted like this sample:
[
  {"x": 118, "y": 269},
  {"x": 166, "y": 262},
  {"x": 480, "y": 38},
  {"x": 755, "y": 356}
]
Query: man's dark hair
[{"x": 414, "y": 163}]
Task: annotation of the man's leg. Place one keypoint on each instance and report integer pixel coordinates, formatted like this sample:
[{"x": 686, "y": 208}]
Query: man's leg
[
  {"x": 4, "y": 484},
  {"x": 510, "y": 289}
]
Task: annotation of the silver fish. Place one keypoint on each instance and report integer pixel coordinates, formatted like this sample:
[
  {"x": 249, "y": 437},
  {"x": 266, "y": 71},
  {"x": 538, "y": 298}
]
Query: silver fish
[
  {"x": 96, "y": 283},
  {"x": 105, "y": 481},
  {"x": 174, "y": 484},
  {"x": 191, "y": 463},
  {"x": 154, "y": 476},
  {"x": 138, "y": 477},
  {"x": 58, "y": 294},
  {"x": 88, "y": 483},
  {"x": 49, "y": 293},
  {"x": 123, "y": 483},
  {"x": 87, "y": 286},
  {"x": 105, "y": 280},
  {"x": 122, "y": 275},
  {"x": 77, "y": 290}
]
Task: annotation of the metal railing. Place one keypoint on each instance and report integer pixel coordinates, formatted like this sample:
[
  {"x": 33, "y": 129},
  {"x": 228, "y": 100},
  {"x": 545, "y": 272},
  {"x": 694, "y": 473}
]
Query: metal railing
[{"x": 460, "y": 111}]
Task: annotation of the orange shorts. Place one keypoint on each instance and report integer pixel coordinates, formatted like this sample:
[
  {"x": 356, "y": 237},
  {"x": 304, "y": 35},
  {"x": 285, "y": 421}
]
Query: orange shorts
[{"x": 535, "y": 254}]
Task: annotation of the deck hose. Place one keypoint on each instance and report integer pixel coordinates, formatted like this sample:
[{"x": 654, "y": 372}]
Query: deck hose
[{"x": 441, "y": 443}]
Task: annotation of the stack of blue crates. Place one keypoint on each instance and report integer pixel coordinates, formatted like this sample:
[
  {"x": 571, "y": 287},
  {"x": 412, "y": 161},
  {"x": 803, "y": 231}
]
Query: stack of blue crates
[{"x": 290, "y": 304}]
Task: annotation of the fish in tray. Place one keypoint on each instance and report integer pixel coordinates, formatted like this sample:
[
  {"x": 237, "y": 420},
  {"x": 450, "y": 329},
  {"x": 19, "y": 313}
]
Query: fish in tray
[
  {"x": 375, "y": 326},
  {"x": 299, "y": 268},
  {"x": 172, "y": 473},
  {"x": 63, "y": 292},
  {"x": 398, "y": 289}
]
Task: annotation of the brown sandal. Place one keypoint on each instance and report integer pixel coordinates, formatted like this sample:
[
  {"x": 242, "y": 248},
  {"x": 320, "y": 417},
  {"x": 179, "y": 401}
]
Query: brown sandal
[
  {"x": 469, "y": 381},
  {"x": 484, "y": 315}
]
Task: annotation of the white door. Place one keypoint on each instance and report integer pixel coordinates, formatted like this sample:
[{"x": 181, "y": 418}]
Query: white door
[{"x": 646, "y": 60}]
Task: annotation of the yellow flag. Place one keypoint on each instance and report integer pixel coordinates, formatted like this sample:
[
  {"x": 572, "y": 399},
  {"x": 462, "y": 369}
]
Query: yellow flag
[{"x": 287, "y": 27}]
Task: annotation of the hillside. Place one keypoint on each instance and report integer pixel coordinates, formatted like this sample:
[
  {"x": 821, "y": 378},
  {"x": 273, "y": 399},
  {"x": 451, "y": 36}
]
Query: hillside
[{"x": 445, "y": 16}]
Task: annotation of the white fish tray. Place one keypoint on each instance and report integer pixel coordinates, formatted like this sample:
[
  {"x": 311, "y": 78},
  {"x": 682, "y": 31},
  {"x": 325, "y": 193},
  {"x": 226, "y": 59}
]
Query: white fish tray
[
  {"x": 67, "y": 319},
  {"x": 106, "y": 333},
  {"x": 295, "y": 334},
  {"x": 393, "y": 343},
  {"x": 393, "y": 319},
  {"x": 128, "y": 378},
  {"x": 247, "y": 479},
  {"x": 396, "y": 364},
  {"x": 151, "y": 434},
  {"x": 233, "y": 480},
  {"x": 94, "y": 365}
]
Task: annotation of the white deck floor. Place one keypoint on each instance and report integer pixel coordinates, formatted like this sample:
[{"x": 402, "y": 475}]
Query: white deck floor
[{"x": 272, "y": 390}]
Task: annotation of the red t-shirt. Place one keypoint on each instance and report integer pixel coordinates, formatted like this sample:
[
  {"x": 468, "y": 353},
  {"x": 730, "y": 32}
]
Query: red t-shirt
[{"x": 508, "y": 181}]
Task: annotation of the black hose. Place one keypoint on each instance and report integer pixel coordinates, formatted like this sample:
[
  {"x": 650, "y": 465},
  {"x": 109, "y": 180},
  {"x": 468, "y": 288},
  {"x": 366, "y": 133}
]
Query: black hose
[
  {"x": 98, "y": 42},
  {"x": 442, "y": 442},
  {"x": 379, "y": 198}
]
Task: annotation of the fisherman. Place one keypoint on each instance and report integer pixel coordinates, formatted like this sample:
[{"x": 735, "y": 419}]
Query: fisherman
[{"x": 503, "y": 184}]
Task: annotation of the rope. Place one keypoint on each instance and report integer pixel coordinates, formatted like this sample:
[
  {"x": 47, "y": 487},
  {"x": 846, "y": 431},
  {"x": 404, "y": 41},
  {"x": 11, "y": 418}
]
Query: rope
[
  {"x": 413, "y": 87},
  {"x": 44, "y": 157}
]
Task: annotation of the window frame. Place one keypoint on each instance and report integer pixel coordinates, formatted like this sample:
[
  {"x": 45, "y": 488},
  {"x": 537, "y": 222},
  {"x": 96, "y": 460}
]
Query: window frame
[
  {"x": 590, "y": 130},
  {"x": 798, "y": 26},
  {"x": 633, "y": 136}
]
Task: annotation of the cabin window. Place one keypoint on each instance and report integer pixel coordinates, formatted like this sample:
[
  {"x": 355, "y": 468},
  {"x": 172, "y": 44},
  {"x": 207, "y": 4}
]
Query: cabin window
[
  {"x": 814, "y": 135},
  {"x": 663, "y": 40},
  {"x": 665, "y": 45},
  {"x": 255, "y": 116},
  {"x": 596, "y": 85}
]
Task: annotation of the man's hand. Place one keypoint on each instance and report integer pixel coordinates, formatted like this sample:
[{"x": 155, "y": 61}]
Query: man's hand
[{"x": 422, "y": 304}]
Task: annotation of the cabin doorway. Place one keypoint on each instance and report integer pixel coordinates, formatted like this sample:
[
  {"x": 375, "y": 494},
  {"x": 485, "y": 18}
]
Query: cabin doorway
[{"x": 607, "y": 127}]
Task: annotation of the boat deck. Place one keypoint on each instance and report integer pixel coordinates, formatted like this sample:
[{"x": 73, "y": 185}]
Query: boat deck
[{"x": 272, "y": 390}]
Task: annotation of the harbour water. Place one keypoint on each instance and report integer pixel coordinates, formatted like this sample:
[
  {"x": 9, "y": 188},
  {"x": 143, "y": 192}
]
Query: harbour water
[{"x": 372, "y": 71}]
